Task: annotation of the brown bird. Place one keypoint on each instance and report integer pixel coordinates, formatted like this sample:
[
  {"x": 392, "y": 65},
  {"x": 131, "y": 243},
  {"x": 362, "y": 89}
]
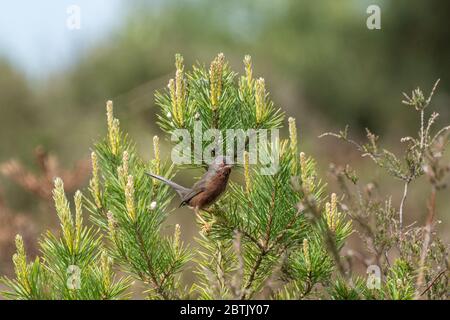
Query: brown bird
[{"x": 208, "y": 189}]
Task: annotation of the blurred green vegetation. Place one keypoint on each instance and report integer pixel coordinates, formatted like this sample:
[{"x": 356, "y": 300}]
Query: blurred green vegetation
[{"x": 321, "y": 64}]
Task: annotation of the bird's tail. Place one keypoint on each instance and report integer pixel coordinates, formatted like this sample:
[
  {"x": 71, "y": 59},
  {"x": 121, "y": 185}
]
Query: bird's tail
[{"x": 182, "y": 191}]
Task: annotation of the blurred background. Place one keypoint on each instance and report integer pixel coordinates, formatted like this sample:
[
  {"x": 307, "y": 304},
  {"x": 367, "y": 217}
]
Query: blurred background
[{"x": 321, "y": 64}]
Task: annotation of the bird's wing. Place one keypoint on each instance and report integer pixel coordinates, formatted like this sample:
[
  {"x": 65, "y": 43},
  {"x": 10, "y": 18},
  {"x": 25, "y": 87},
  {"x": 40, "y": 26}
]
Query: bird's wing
[
  {"x": 197, "y": 188},
  {"x": 190, "y": 195},
  {"x": 182, "y": 191}
]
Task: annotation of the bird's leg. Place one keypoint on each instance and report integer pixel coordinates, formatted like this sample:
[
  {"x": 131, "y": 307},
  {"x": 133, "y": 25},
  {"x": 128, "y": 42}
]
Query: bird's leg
[
  {"x": 207, "y": 211},
  {"x": 206, "y": 226},
  {"x": 199, "y": 217}
]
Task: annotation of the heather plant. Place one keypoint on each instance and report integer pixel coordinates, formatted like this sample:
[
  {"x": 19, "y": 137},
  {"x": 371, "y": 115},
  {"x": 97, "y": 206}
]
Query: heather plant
[
  {"x": 73, "y": 265},
  {"x": 41, "y": 183},
  {"x": 11, "y": 223},
  {"x": 420, "y": 267},
  {"x": 273, "y": 236}
]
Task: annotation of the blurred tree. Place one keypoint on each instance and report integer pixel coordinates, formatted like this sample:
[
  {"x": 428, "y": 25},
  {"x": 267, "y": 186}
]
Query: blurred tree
[
  {"x": 17, "y": 111},
  {"x": 323, "y": 50}
]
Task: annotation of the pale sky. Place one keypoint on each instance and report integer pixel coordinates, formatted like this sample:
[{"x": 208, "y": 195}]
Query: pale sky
[{"x": 34, "y": 35}]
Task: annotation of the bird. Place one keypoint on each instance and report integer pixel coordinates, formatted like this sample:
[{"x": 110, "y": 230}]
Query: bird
[{"x": 208, "y": 189}]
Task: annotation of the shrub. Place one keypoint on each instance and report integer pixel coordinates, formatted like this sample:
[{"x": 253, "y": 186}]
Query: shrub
[{"x": 275, "y": 236}]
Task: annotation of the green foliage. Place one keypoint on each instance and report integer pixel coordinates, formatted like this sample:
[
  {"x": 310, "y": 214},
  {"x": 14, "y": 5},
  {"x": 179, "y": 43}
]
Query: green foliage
[
  {"x": 219, "y": 268},
  {"x": 421, "y": 266},
  {"x": 264, "y": 213},
  {"x": 195, "y": 100},
  {"x": 275, "y": 236},
  {"x": 130, "y": 208},
  {"x": 73, "y": 266},
  {"x": 305, "y": 268},
  {"x": 400, "y": 281},
  {"x": 341, "y": 290},
  {"x": 266, "y": 216}
]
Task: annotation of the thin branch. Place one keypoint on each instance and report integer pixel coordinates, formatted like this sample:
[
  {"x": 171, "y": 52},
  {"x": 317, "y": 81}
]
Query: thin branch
[
  {"x": 286, "y": 229},
  {"x": 447, "y": 128},
  {"x": 252, "y": 276},
  {"x": 402, "y": 204},
  {"x": 422, "y": 137},
  {"x": 426, "y": 241},
  {"x": 341, "y": 136},
  {"x": 232, "y": 227},
  {"x": 433, "y": 282},
  {"x": 264, "y": 249},
  {"x": 153, "y": 276},
  {"x": 309, "y": 287},
  {"x": 432, "y": 93}
]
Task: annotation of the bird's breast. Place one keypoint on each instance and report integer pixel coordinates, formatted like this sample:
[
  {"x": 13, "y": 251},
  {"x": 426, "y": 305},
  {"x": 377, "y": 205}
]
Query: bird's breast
[
  {"x": 218, "y": 182},
  {"x": 213, "y": 189}
]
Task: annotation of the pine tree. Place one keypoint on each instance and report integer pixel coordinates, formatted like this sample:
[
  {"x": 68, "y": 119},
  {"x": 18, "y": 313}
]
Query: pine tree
[{"x": 72, "y": 266}]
